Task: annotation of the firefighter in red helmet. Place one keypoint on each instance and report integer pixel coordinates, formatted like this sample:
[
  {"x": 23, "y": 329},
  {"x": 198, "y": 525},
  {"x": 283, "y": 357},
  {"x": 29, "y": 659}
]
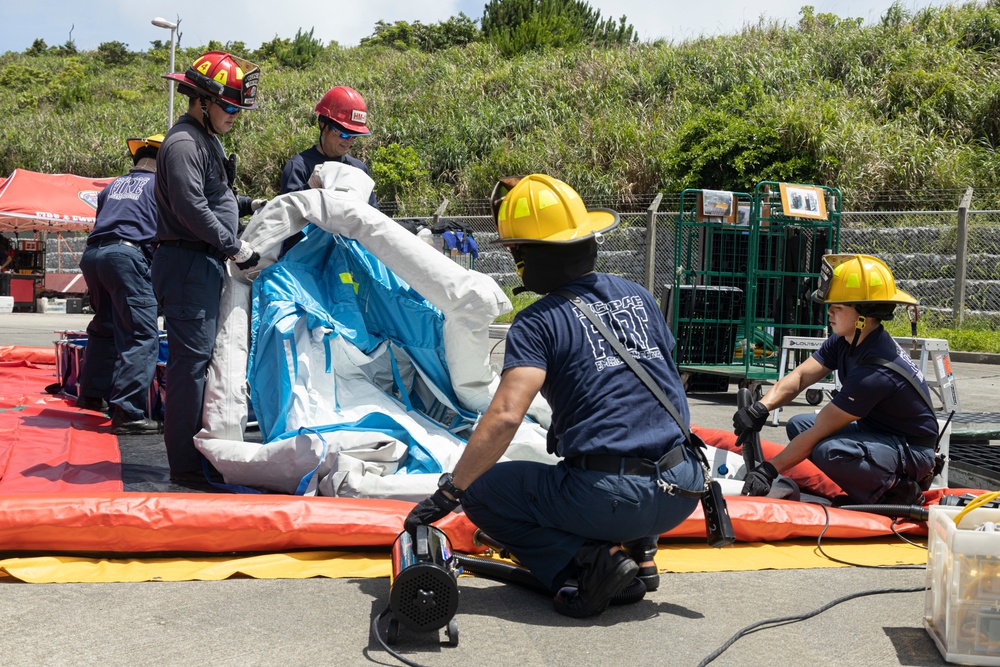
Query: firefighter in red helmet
[
  {"x": 343, "y": 117},
  {"x": 197, "y": 232}
]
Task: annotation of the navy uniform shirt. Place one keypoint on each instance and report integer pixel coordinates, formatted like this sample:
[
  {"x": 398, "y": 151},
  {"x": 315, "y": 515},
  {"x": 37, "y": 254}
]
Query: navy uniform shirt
[
  {"x": 126, "y": 209},
  {"x": 879, "y": 398},
  {"x": 295, "y": 175},
  {"x": 193, "y": 199},
  {"x": 599, "y": 405}
]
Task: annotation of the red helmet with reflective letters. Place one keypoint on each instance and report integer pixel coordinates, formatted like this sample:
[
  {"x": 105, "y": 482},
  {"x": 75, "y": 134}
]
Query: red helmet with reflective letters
[{"x": 222, "y": 76}]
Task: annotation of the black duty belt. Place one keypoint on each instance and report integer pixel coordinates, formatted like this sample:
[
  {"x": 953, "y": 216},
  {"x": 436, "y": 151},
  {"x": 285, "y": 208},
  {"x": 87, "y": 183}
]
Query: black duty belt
[
  {"x": 627, "y": 465},
  {"x": 924, "y": 441},
  {"x": 100, "y": 243},
  {"x": 200, "y": 246}
]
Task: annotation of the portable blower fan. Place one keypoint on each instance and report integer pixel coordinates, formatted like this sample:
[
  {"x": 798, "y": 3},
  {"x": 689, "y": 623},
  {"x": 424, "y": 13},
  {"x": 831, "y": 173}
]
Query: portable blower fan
[{"x": 423, "y": 589}]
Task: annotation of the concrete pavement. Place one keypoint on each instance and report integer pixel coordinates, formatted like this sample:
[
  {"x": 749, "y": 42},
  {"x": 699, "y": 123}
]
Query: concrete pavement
[{"x": 243, "y": 621}]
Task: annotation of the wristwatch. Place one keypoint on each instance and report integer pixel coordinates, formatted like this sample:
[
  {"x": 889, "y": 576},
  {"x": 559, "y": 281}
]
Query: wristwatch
[{"x": 446, "y": 484}]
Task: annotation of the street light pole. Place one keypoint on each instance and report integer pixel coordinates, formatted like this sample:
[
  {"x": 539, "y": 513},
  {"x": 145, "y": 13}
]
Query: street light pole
[{"x": 172, "y": 27}]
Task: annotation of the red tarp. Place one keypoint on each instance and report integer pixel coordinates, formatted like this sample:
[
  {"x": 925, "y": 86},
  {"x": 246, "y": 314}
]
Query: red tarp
[
  {"x": 61, "y": 491},
  {"x": 30, "y": 201}
]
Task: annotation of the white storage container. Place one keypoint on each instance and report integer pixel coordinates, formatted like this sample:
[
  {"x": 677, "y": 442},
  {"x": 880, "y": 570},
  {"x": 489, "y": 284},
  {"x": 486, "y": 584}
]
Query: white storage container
[
  {"x": 49, "y": 305},
  {"x": 6, "y": 305},
  {"x": 962, "y": 603}
]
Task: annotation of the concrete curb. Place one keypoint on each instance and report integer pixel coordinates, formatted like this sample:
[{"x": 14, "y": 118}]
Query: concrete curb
[{"x": 975, "y": 357}]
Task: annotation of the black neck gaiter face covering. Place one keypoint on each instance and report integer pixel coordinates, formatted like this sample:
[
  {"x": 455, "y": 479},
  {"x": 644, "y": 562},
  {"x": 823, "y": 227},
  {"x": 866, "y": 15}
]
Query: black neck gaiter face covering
[{"x": 549, "y": 266}]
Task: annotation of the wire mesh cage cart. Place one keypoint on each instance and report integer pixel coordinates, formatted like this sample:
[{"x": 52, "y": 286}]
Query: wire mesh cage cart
[{"x": 742, "y": 278}]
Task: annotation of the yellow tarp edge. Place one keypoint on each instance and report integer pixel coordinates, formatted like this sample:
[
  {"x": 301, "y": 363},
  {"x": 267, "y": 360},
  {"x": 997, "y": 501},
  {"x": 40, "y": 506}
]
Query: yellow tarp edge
[
  {"x": 791, "y": 555},
  {"x": 679, "y": 558}
]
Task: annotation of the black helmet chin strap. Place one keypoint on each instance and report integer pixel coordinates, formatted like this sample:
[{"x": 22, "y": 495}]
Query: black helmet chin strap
[
  {"x": 206, "y": 119},
  {"x": 859, "y": 324}
]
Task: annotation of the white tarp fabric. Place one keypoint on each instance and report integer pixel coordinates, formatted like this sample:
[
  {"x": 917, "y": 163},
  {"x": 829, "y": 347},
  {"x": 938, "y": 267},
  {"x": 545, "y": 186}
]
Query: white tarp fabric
[
  {"x": 346, "y": 425},
  {"x": 336, "y": 400}
]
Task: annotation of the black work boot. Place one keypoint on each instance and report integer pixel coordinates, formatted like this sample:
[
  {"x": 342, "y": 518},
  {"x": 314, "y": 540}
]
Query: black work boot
[
  {"x": 905, "y": 492},
  {"x": 643, "y": 551},
  {"x": 95, "y": 403},
  {"x": 122, "y": 424},
  {"x": 603, "y": 575}
]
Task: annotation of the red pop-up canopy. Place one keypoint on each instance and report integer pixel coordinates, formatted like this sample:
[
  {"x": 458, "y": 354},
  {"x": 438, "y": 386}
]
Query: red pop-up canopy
[{"x": 30, "y": 201}]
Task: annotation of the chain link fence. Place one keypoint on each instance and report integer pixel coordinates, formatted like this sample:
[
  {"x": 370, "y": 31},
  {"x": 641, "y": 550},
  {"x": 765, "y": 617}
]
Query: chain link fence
[{"x": 923, "y": 249}]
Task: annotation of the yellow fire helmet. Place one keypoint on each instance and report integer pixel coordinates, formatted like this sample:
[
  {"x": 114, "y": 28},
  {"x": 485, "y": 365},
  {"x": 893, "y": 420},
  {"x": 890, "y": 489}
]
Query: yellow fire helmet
[
  {"x": 542, "y": 209},
  {"x": 152, "y": 142},
  {"x": 858, "y": 279}
]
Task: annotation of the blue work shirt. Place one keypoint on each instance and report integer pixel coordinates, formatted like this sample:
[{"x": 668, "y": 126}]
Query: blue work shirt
[
  {"x": 599, "y": 405},
  {"x": 126, "y": 209},
  {"x": 879, "y": 398}
]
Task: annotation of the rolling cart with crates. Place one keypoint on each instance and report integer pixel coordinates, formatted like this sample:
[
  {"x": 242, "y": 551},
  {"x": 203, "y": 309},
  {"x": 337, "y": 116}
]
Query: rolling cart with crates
[{"x": 738, "y": 289}]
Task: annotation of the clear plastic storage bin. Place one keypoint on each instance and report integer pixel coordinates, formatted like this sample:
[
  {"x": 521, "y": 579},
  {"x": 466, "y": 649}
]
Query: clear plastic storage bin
[{"x": 962, "y": 604}]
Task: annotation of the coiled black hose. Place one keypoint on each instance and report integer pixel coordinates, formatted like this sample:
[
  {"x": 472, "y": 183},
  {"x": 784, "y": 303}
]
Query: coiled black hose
[{"x": 512, "y": 574}]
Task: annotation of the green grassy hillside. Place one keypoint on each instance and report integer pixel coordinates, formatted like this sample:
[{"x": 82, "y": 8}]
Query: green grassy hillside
[{"x": 909, "y": 106}]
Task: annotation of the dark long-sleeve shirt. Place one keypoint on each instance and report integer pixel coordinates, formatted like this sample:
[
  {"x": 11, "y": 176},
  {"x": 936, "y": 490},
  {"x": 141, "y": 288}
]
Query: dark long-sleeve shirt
[{"x": 193, "y": 199}]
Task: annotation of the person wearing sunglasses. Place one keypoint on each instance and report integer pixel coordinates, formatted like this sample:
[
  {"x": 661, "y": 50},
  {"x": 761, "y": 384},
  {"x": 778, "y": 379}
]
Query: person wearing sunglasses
[
  {"x": 197, "y": 229},
  {"x": 342, "y": 118},
  {"x": 586, "y": 527}
]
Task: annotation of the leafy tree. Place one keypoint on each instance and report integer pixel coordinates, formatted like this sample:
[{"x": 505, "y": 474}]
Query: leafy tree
[
  {"x": 720, "y": 149},
  {"x": 67, "y": 49},
  {"x": 114, "y": 53},
  {"x": 37, "y": 48},
  {"x": 519, "y": 26},
  {"x": 456, "y": 31},
  {"x": 21, "y": 77},
  {"x": 298, "y": 53},
  {"x": 396, "y": 169}
]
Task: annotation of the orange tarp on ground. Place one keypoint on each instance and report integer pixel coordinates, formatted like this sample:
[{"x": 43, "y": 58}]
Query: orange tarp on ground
[{"x": 60, "y": 491}]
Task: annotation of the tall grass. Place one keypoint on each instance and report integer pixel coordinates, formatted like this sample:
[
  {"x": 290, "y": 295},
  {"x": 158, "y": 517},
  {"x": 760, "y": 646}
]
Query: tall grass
[{"x": 908, "y": 105}]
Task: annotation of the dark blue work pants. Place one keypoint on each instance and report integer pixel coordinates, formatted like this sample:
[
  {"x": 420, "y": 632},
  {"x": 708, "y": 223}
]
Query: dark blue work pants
[
  {"x": 865, "y": 464},
  {"x": 188, "y": 286},
  {"x": 545, "y": 513},
  {"x": 122, "y": 337}
]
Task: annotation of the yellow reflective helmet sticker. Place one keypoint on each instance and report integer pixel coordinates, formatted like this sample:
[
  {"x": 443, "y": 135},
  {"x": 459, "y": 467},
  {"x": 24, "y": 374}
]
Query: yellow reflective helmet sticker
[
  {"x": 521, "y": 208},
  {"x": 546, "y": 199}
]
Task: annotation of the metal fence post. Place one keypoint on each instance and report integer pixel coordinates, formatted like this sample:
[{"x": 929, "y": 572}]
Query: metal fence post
[
  {"x": 651, "y": 242},
  {"x": 439, "y": 212},
  {"x": 961, "y": 256}
]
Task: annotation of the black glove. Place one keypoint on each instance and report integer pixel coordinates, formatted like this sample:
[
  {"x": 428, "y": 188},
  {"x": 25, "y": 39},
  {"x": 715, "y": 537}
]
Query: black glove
[
  {"x": 250, "y": 263},
  {"x": 758, "y": 481},
  {"x": 751, "y": 418},
  {"x": 429, "y": 510}
]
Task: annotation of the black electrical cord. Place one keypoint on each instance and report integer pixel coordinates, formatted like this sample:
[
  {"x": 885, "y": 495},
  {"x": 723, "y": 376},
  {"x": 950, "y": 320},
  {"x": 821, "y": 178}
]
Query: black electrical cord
[
  {"x": 771, "y": 622},
  {"x": 378, "y": 638},
  {"x": 774, "y": 622},
  {"x": 819, "y": 545},
  {"x": 898, "y": 534}
]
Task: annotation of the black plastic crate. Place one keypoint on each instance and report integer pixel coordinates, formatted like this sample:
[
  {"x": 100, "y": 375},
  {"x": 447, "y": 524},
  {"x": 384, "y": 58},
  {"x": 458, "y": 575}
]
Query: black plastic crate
[{"x": 707, "y": 321}]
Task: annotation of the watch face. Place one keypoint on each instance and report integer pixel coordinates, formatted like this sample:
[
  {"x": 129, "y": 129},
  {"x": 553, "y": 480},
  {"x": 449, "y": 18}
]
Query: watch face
[{"x": 444, "y": 480}]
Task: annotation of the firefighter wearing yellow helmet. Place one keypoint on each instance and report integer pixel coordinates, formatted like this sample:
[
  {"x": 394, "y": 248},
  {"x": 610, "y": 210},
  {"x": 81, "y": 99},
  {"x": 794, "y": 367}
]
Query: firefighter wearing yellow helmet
[
  {"x": 123, "y": 337},
  {"x": 567, "y": 522},
  {"x": 878, "y": 436}
]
